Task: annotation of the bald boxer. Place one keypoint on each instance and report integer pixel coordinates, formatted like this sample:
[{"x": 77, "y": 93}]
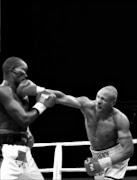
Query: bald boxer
[
  {"x": 16, "y": 139},
  {"x": 107, "y": 130}
]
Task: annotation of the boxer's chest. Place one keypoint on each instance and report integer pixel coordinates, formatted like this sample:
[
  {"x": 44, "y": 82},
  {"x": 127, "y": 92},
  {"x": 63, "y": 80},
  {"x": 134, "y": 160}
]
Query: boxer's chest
[
  {"x": 22, "y": 101},
  {"x": 104, "y": 130}
]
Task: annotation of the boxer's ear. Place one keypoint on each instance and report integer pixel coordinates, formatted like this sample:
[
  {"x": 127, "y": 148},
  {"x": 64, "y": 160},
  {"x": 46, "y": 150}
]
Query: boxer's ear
[{"x": 114, "y": 102}]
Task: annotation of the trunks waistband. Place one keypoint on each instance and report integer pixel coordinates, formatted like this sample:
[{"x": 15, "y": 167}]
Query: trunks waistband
[
  {"x": 107, "y": 152},
  {"x": 13, "y": 139},
  {"x": 107, "y": 149}
]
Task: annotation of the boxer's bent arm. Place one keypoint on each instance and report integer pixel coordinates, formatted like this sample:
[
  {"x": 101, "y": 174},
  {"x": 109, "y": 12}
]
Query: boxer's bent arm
[
  {"x": 125, "y": 139},
  {"x": 16, "y": 111}
]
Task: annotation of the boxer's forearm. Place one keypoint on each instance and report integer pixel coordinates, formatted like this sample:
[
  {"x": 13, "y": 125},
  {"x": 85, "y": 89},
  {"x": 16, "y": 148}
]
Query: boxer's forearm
[
  {"x": 125, "y": 153},
  {"x": 58, "y": 94}
]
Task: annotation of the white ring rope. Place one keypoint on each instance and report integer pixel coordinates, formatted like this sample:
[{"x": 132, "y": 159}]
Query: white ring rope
[
  {"x": 57, "y": 167},
  {"x": 76, "y": 143}
]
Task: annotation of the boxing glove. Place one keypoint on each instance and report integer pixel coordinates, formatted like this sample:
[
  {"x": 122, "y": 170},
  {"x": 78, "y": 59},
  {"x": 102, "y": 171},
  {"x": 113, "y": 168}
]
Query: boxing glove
[
  {"x": 28, "y": 88},
  {"x": 94, "y": 166},
  {"x": 30, "y": 137}
]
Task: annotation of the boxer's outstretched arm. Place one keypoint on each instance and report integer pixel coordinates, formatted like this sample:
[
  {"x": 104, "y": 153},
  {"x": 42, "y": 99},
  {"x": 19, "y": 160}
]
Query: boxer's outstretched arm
[
  {"x": 69, "y": 100},
  {"x": 27, "y": 87}
]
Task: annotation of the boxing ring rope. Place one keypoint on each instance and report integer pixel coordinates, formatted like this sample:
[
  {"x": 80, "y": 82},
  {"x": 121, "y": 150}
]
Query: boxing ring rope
[{"x": 57, "y": 166}]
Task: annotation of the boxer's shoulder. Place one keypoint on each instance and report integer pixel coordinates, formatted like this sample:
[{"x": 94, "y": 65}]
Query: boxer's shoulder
[
  {"x": 5, "y": 91},
  {"x": 86, "y": 102}
]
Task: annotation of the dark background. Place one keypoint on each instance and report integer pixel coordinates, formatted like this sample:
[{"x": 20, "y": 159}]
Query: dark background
[{"x": 76, "y": 48}]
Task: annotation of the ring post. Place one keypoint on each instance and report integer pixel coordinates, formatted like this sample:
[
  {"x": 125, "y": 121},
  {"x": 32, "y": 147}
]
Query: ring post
[{"x": 57, "y": 175}]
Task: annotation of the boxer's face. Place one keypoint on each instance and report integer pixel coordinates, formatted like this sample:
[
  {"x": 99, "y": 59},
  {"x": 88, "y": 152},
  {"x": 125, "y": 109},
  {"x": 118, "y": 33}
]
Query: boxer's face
[
  {"x": 103, "y": 100},
  {"x": 20, "y": 72}
]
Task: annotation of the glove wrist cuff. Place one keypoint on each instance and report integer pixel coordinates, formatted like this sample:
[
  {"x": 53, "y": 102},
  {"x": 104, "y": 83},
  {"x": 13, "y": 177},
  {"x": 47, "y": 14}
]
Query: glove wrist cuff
[
  {"x": 39, "y": 89},
  {"x": 39, "y": 107},
  {"x": 105, "y": 162}
]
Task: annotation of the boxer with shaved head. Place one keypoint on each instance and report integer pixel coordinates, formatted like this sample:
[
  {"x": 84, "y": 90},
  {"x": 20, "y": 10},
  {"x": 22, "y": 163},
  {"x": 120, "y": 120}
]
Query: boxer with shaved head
[{"x": 107, "y": 130}]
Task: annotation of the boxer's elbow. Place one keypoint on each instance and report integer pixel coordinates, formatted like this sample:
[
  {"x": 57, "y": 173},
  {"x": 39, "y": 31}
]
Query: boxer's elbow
[
  {"x": 26, "y": 119},
  {"x": 129, "y": 151}
]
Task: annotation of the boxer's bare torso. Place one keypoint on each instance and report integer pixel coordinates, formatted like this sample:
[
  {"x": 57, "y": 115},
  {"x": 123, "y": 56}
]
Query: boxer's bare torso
[
  {"x": 101, "y": 131},
  {"x": 7, "y": 123}
]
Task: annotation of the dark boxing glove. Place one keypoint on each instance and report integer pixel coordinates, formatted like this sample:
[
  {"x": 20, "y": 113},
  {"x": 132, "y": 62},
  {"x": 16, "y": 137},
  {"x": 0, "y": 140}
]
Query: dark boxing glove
[
  {"x": 28, "y": 88},
  {"x": 30, "y": 137},
  {"x": 94, "y": 166}
]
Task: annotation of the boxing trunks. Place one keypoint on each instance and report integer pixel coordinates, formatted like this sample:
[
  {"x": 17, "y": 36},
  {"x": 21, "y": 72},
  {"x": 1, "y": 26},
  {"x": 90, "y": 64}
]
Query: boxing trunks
[
  {"x": 17, "y": 162},
  {"x": 117, "y": 171}
]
